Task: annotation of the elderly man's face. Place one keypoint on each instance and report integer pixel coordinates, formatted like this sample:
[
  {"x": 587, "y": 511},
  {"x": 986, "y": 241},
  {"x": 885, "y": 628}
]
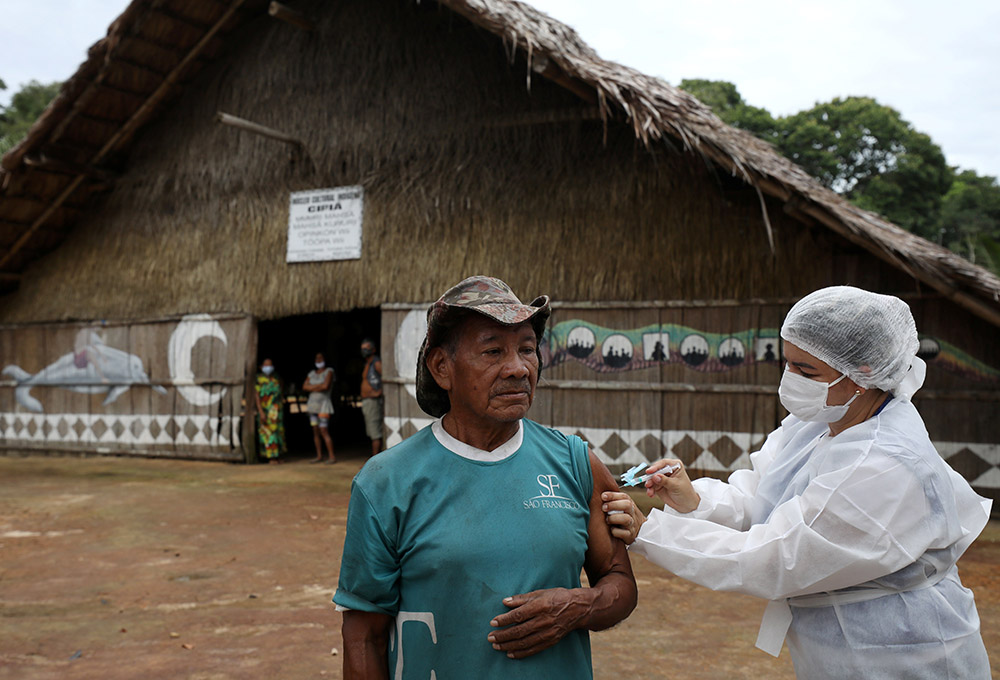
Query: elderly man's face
[{"x": 492, "y": 375}]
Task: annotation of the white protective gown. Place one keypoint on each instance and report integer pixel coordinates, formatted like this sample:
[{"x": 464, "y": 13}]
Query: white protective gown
[{"x": 873, "y": 517}]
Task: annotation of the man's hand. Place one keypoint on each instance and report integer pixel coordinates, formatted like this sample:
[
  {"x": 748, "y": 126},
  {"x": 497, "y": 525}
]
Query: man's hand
[
  {"x": 624, "y": 517},
  {"x": 538, "y": 620},
  {"x": 542, "y": 618}
]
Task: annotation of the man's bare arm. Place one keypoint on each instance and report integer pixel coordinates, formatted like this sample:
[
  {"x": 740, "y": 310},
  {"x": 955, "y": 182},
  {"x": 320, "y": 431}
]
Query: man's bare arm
[
  {"x": 607, "y": 562},
  {"x": 541, "y": 618},
  {"x": 366, "y": 645}
]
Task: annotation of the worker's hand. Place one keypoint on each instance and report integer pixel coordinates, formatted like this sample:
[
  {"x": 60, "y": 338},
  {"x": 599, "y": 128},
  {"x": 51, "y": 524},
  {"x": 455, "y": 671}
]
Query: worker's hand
[
  {"x": 622, "y": 514},
  {"x": 538, "y": 620},
  {"x": 673, "y": 488}
]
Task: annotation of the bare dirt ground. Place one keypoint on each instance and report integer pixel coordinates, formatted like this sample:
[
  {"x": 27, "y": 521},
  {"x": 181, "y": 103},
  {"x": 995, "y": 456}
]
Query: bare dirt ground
[{"x": 115, "y": 568}]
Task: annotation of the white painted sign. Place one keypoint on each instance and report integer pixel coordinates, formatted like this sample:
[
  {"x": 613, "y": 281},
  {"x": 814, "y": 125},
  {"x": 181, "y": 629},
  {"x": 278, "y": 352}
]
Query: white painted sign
[{"x": 325, "y": 224}]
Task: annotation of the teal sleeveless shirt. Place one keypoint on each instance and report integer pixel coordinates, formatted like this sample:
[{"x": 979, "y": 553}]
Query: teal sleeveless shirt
[{"x": 438, "y": 541}]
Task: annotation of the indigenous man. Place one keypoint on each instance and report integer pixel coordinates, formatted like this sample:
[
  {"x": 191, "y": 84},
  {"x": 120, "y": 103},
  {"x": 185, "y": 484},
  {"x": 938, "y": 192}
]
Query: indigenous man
[
  {"x": 465, "y": 542},
  {"x": 372, "y": 406}
]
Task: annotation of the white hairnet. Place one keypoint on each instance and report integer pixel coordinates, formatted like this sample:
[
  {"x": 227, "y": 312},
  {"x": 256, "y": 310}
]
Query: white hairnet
[{"x": 870, "y": 337}]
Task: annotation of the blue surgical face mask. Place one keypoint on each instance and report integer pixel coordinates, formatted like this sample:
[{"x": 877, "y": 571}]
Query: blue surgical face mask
[
  {"x": 806, "y": 399},
  {"x": 267, "y": 370}
]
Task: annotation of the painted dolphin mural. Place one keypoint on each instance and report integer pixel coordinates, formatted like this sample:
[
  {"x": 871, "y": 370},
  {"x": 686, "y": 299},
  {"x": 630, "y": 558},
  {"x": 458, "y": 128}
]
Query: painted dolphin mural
[{"x": 105, "y": 369}]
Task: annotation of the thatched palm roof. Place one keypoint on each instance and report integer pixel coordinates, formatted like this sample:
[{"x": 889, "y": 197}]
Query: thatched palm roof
[{"x": 156, "y": 47}]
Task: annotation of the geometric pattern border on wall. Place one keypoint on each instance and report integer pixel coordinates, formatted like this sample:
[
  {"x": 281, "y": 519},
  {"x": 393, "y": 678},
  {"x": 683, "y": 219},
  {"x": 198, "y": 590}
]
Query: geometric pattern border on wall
[
  {"x": 987, "y": 457},
  {"x": 71, "y": 428},
  {"x": 702, "y": 449}
]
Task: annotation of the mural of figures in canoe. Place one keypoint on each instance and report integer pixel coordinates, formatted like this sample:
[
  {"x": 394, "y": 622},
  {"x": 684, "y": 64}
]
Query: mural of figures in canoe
[
  {"x": 623, "y": 349},
  {"x": 607, "y": 350}
]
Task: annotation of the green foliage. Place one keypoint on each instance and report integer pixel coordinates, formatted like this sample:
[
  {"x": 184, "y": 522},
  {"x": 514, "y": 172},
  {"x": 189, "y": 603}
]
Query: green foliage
[
  {"x": 726, "y": 102},
  {"x": 871, "y": 155},
  {"x": 25, "y": 107},
  {"x": 970, "y": 219},
  {"x": 867, "y": 152}
]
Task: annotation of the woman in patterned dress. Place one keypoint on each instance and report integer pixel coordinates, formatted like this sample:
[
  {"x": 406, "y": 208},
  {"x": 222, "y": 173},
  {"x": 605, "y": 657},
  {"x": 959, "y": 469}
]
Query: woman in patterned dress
[{"x": 270, "y": 410}]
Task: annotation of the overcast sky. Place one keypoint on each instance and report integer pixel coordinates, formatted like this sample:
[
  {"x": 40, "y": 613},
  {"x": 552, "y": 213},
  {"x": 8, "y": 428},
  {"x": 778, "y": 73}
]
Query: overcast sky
[{"x": 937, "y": 63}]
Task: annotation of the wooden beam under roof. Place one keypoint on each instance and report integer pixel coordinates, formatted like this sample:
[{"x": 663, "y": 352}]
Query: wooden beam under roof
[
  {"x": 18, "y": 228},
  {"x": 290, "y": 16},
  {"x": 187, "y": 21},
  {"x": 106, "y": 120},
  {"x": 158, "y": 44},
  {"x": 43, "y": 162},
  {"x": 550, "y": 70},
  {"x": 544, "y": 117},
  {"x": 140, "y": 67},
  {"x": 120, "y": 90},
  {"x": 42, "y": 202}
]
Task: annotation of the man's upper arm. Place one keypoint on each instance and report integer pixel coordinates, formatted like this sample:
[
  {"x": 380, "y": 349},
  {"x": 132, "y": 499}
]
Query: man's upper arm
[
  {"x": 369, "y": 568},
  {"x": 605, "y": 553}
]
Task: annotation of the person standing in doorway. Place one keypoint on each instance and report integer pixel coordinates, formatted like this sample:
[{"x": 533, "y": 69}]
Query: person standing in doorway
[
  {"x": 270, "y": 410},
  {"x": 372, "y": 403},
  {"x": 319, "y": 385}
]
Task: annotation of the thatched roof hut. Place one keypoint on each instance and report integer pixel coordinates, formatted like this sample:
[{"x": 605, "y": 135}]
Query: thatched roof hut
[
  {"x": 85, "y": 150},
  {"x": 488, "y": 139}
]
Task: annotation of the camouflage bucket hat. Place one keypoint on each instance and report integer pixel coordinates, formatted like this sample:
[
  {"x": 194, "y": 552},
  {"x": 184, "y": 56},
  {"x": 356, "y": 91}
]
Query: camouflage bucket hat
[{"x": 481, "y": 294}]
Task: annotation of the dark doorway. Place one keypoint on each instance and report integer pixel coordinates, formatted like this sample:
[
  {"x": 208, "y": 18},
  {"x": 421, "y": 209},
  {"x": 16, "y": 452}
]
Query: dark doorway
[{"x": 292, "y": 343}]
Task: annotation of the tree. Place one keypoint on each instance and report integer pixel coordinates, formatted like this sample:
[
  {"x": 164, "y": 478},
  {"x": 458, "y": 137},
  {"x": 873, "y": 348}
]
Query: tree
[
  {"x": 867, "y": 152},
  {"x": 970, "y": 219},
  {"x": 855, "y": 146},
  {"x": 727, "y": 103},
  {"x": 24, "y": 109}
]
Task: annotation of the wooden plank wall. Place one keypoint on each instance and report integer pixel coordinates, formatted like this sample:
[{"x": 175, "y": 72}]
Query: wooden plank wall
[{"x": 165, "y": 387}]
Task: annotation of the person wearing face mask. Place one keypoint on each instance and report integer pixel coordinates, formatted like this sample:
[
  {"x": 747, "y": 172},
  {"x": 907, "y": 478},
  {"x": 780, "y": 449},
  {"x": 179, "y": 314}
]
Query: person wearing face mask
[
  {"x": 849, "y": 521},
  {"x": 319, "y": 385},
  {"x": 270, "y": 413},
  {"x": 372, "y": 406}
]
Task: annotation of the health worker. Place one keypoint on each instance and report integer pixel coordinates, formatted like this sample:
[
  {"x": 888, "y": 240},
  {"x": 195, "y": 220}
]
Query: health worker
[{"x": 849, "y": 521}]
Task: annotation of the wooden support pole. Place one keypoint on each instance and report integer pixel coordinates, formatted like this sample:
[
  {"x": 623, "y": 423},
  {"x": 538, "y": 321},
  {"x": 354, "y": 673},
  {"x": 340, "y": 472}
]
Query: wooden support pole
[
  {"x": 291, "y": 16},
  {"x": 256, "y": 128},
  {"x": 248, "y": 433}
]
